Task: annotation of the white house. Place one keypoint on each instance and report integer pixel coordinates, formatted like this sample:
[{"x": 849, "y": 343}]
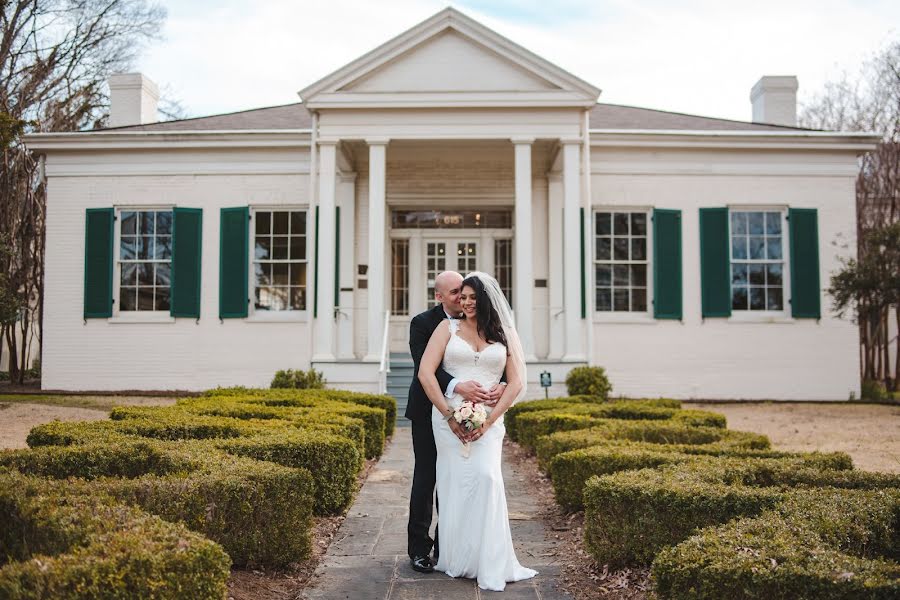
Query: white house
[{"x": 687, "y": 255}]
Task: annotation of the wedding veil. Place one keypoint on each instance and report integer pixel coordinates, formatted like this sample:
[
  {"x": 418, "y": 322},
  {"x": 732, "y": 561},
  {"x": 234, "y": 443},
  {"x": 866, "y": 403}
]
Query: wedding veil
[{"x": 514, "y": 344}]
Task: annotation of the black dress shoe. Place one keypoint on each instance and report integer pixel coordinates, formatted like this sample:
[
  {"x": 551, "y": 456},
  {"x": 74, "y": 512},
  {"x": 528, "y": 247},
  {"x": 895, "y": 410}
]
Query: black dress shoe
[{"x": 422, "y": 564}]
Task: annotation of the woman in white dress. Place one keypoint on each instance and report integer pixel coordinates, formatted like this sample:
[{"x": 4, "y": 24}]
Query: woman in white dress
[{"x": 473, "y": 518}]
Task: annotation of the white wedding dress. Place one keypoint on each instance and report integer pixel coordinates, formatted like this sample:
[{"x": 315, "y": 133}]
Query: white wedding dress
[{"x": 475, "y": 539}]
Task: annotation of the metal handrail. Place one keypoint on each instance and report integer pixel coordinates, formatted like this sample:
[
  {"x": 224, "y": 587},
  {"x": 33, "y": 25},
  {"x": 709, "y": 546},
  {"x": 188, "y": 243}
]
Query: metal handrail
[{"x": 385, "y": 366}]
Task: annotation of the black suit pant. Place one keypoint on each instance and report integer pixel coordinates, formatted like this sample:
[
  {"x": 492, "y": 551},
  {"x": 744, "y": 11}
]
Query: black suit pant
[{"x": 422, "y": 498}]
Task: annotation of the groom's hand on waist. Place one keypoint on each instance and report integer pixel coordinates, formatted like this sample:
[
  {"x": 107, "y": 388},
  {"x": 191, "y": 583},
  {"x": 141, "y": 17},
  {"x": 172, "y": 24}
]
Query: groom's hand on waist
[{"x": 472, "y": 391}]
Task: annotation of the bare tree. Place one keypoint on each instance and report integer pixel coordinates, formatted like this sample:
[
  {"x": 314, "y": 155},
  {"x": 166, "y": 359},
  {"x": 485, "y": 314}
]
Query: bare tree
[
  {"x": 55, "y": 58},
  {"x": 870, "y": 102}
]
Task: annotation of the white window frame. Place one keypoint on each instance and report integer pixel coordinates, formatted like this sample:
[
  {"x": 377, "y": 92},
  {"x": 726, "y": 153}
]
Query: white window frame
[
  {"x": 613, "y": 316},
  {"x": 765, "y": 316},
  {"x": 255, "y": 315},
  {"x": 134, "y": 316}
]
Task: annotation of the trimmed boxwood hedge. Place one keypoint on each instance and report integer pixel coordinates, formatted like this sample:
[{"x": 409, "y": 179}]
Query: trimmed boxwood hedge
[
  {"x": 827, "y": 545},
  {"x": 630, "y": 516},
  {"x": 332, "y": 460},
  {"x": 570, "y": 471},
  {"x": 245, "y": 505},
  {"x": 58, "y": 544}
]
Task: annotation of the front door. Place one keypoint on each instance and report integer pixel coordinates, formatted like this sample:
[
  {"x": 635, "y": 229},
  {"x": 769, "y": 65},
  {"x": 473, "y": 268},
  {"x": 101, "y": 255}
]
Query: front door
[{"x": 448, "y": 254}]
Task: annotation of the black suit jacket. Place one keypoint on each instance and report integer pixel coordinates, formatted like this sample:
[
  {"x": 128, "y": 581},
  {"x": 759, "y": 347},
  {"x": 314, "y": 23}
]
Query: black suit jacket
[{"x": 418, "y": 406}]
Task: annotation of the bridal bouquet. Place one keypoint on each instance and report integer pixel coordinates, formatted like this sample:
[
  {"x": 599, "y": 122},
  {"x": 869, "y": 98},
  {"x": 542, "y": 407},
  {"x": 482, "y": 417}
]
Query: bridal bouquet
[{"x": 471, "y": 415}]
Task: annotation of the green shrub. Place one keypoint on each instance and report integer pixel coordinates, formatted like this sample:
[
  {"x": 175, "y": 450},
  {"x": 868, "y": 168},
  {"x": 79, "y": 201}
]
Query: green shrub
[
  {"x": 588, "y": 381},
  {"x": 299, "y": 379},
  {"x": 829, "y": 545},
  {"x": 59, "y": 544},
  {"x": 874, "y": 390},
  {"x": 245, "y": 505},
  {"x": 631, "y": 515}
]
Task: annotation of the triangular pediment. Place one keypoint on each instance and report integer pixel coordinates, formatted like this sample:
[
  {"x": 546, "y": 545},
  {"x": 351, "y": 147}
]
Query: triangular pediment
[{"x": 449, "y": 60}]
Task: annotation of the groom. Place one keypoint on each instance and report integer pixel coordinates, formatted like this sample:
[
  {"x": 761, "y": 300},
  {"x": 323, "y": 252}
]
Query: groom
[{"x": 447, "y": 288}]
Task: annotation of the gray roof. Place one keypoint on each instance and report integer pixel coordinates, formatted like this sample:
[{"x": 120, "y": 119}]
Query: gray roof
[{"x": 603, "y": 116}]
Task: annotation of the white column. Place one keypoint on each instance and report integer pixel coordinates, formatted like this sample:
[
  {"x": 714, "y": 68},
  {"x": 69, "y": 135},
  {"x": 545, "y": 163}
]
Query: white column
[
  {"x": 523, "y": 279},
  {"x": 555, "y": 289},
  {"x": 324, "y": 342},
  {"x": 376, "y": 272},
  {"x": 572, "y": 250},
  {"x": 346, "y": 197}
]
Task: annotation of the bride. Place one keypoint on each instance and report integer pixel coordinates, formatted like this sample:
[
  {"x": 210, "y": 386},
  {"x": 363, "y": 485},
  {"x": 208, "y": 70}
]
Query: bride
[{"x": 473, "y": 519}]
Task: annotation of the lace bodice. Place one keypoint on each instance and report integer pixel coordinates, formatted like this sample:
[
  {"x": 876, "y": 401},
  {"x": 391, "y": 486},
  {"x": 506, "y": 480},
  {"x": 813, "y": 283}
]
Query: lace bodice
[{"x": 463, "y": 362}]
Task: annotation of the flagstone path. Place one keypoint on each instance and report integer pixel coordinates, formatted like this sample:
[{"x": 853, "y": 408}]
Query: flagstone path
[{"x": 368, "y": 560}]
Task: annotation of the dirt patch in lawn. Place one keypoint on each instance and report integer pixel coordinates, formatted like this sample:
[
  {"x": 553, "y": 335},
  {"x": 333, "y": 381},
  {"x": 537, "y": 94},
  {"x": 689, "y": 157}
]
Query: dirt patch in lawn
[{"x": 867, "y": 432}]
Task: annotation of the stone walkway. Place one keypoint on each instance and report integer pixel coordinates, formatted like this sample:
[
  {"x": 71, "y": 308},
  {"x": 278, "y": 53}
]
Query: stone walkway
[{"x": 368, "y": 559}]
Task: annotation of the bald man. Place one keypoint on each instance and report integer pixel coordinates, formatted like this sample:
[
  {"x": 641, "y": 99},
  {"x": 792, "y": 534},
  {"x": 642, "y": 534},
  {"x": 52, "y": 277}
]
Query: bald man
[{"x": 447, "y": 288}]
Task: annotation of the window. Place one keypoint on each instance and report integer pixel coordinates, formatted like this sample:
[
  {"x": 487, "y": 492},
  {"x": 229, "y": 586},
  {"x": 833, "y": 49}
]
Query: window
[
  {"x": 399, "y": 277},
  {"x": 757, "y": 260},
  {"x": 620, "y": 261},
  {"x": 279, "y": 260},
  {"x": 145, "y": 260},
  {"x": 436, "y": 262},
  {"x": 503, "y": 266}
]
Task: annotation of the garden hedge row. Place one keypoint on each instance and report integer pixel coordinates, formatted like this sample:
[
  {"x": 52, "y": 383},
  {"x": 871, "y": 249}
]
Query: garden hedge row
[
  {"x": 827, "y": 545},
  {"x": 58, "y": 544},
  {"x": 245, "y": 505},
  {"x": 631, "y": 515}
]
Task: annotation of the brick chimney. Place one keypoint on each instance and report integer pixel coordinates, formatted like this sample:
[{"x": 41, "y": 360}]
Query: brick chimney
[
  {"x": 133, "y": 100},
  {"x": 774, "y": 100}
]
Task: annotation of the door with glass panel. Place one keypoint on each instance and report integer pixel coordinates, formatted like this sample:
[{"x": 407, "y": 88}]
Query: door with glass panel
[{"x": 448, "y": 255}]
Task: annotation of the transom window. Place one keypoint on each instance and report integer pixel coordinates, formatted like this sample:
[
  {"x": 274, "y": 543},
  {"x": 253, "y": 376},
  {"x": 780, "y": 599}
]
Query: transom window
[
  {"x": 620, "y": 261},
  {"x": 757, "y": 260},
  {"x": 145, "y": 260},
  {"x": 279, "y": 260}
]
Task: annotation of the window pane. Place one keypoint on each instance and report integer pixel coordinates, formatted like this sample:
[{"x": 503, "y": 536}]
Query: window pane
[
  {"x": 298, "y": 223},
  {"x": 620, "y": 224},
  {"x": 757, "y": 298},
  {"x": 145, "y": 274},
  {"x": 278, "y": 298},
  {"x": 639, "y": 275},
  {"x": 604, "y": 275},
  {"x": 604, "y": 224},
  {"x": 128, "y": 247},
  {"x": 163, "y": 275},
  {"x": 263, "y": 223},
  {"x": 755, "y": 223},
  {"x": 620, "y": 300},
  {"x": 263, "y": 249},
  {"x": 604, "y": 299},
  {"x": 280, "y": 247},
  {"x": 639, "y": 299},
  {"x": 738, "y": 223},
  {"x": 739, "y": 298},
  {"x": 603, "y": 248},
  {"x": 298, "y": 247},
  {"x": 128, "y": 298},
  {"x": 773, "y": 223},
  {"x": 639, "y": 249},
  {"x": 298, "y": 274},
  {"x": 638, "y": 224},
  {"x": 164, "y": 222},
  {"x": 298, "y": 298},
  {"x": 163, "y": 247},
  {"x": 773, "y": 274},
  {"x": 280, "y": 273},
  {"x": 620, "y": 248},
  {"x": 129, "y": 274},
  {"x": 162, "y": 298},
  {"x": 280, "y": 223},
  {"x": 129, "y": 223},
  {"x": 739, "y": 274},
  {"x": 620, "y": 275},
  {"x": 739, "y": 248},
  {"x": 773, "y": 248},
  {"x": 757, "y": 274},
  {"x": 774, "y": 299},
  {"x": 147, "y": 223},
  {"x": 145, "y": 298},
  {"x": 757, "y": 246},
  {"x": 145, "y": 247},
  {"x": 263, "y": 273}
]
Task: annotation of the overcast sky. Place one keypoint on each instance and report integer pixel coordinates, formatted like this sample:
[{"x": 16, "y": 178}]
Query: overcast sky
[{"x": 696, "y": 56}]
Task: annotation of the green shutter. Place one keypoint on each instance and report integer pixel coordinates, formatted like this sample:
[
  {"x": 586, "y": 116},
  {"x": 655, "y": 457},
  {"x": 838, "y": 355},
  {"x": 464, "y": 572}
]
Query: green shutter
[
  {"x": 337, "y": 257},
  {"x": 805, "y": 288},
  {"x": 98, "y": 262},
  {"x": 187, "y": 242},
  {"x": 582, "y": 265},
  {"x": 667, "y": 264},
  {"x": 234, "y": 256},
  {"x": 715, "y": 263}
]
